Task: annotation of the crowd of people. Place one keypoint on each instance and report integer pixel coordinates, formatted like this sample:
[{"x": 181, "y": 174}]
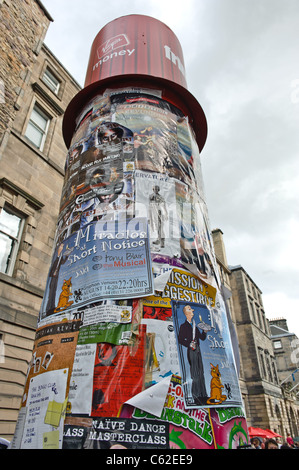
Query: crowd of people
[{"x": 274, "y": 443}]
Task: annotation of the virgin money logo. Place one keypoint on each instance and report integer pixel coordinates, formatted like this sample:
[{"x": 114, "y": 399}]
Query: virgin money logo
[{"x": 111, "y": 44}]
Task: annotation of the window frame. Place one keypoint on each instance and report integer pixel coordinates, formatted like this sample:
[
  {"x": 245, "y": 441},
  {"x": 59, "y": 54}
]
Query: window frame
[
  {"x": 2, "y": 348},
  {"x": 16, "y": 241},
  {"x": 44, "y": 132},
  {"x": 26, "y": 206},
  {"x": 49, "y": 78}
]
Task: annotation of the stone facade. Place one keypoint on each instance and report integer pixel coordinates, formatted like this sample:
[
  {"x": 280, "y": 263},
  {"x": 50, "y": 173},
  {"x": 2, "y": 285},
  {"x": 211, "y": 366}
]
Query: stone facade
[
  {"x": 286, "y": 351},
  {"x": 22, "y": 30},
  {"x": 31, "y": 179}
]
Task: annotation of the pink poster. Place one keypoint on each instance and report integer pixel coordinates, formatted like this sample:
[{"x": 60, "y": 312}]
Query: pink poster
[
  {"x": 229, "y": 428},
  {"x": 188, "y": 429}
]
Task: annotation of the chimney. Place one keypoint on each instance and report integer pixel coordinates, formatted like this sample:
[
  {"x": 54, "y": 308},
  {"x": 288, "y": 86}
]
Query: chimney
[{"x": 219, "y": 246}]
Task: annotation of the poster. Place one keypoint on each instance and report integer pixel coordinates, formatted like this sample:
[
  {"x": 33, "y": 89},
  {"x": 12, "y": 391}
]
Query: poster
[
  {"x": 93, "y": 206},
  {"x": 105, "y": 260},
  {"x": 115, "y": 433},
  {"x": 81, "y": 382},
  {"x": 106, "y": 322},
  {"x": 76, "y": 433},
  {"x": 95, "y": 111},
  {"x": 205, "y": 353},
  {"x": 162, "y": 359},
  {"x": 155, "y": 197},
  {"x": 155, "y": 138},
  {"x": 54, "y": 349},
  {"x": 180, "y": 284},
  {"x": 46, "y": 388},
  {"x": 188, "y": 429},
  {"x": 197, "y": 251},
  {"x": 110, "y": 332},
  {"x": 96, "y": 168},
  {"x": 229, "y": 428},
  {"x": 46, "y": 405},
  {"x": 118, "y": 374}
]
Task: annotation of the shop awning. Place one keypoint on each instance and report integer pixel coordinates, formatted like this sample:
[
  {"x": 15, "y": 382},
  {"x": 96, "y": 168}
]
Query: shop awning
[{"x": 264, "y": 433}]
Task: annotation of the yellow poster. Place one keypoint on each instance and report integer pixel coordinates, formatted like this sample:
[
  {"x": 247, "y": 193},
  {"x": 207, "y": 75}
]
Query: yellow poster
[{"x": 181, "y": 285}]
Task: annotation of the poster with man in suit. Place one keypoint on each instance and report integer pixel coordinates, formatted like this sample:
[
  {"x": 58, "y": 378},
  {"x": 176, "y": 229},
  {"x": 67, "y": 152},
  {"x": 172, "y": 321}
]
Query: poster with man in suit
[{"x": 207, "y": 365}]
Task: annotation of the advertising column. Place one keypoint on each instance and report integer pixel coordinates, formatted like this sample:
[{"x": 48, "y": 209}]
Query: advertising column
[{"x": 132, "y": 346}]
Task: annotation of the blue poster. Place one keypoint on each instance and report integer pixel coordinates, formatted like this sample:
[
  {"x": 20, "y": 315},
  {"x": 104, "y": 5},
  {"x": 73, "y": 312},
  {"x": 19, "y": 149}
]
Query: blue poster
[
  {"x": 207, "y": 364},
  {"x": 105, "y": 260}
]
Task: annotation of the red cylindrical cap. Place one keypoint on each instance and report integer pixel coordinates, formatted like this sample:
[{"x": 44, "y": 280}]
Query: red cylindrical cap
[
  {"x": 136, "y": 44},
  {"x": 137, "y": 51}
]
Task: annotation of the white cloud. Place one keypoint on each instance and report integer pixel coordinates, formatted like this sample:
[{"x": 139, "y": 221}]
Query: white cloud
[{"x": 279, "y": 305}]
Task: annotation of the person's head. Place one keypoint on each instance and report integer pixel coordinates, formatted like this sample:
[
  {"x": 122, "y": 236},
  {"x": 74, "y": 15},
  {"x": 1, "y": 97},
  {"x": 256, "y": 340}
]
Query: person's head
[
  {"x": 188, "y": 312},
  {"x": 110, "y": 133},
  {"x": 256, "y": 441},
  {"x": 271, "y": 444},
  {"x": 285, "y": 445}
]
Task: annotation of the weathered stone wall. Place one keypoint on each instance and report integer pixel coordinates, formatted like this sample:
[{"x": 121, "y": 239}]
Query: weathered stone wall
[
  {"x": 23, "y": 26},
  {"x": 30, "y": 183}
]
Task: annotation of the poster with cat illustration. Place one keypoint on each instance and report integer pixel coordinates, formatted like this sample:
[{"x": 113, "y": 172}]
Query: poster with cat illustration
[{"x": 207, "y": 366}]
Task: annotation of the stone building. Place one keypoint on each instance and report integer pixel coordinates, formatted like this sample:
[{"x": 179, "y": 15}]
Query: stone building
[
  {"x": 35, "y": 90},
  {"x": 286, "y": 351},
  {"x": 266, "y": 404}
]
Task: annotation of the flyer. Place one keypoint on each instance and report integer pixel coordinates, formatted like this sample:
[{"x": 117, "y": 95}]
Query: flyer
[
  {"x": 81, "y": 382},
  {"x": 107, "y": 194},
  {"x": 162, "y": 359},
  {"x": 108, "y": 311},
  {"x": 181, "y": 285},
  {"x": 95, "y": 164},
  {"x": 76, "y": 431},
  {"x": 118, "y": 374},
  {"x": 107, "y": 332},
  {"x": 205, "y": 353},
  {"x": 104, "y": 260},
  {"x": 46, "y": 405},
  {"x": 54, "y": 349},
  {"x": 115, "y": 433},
  {"x": 188, "y": 429},
  {"x": 155, "y": 197},
  {"x": 229, "y": 427}
]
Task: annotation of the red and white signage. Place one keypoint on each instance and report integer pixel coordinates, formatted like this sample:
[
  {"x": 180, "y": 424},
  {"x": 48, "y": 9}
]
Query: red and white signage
[{"x": 136, "y": 44}]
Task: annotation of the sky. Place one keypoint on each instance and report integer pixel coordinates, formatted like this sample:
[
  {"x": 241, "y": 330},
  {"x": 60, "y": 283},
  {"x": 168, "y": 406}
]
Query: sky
[{"x": 241, "y": 61}]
